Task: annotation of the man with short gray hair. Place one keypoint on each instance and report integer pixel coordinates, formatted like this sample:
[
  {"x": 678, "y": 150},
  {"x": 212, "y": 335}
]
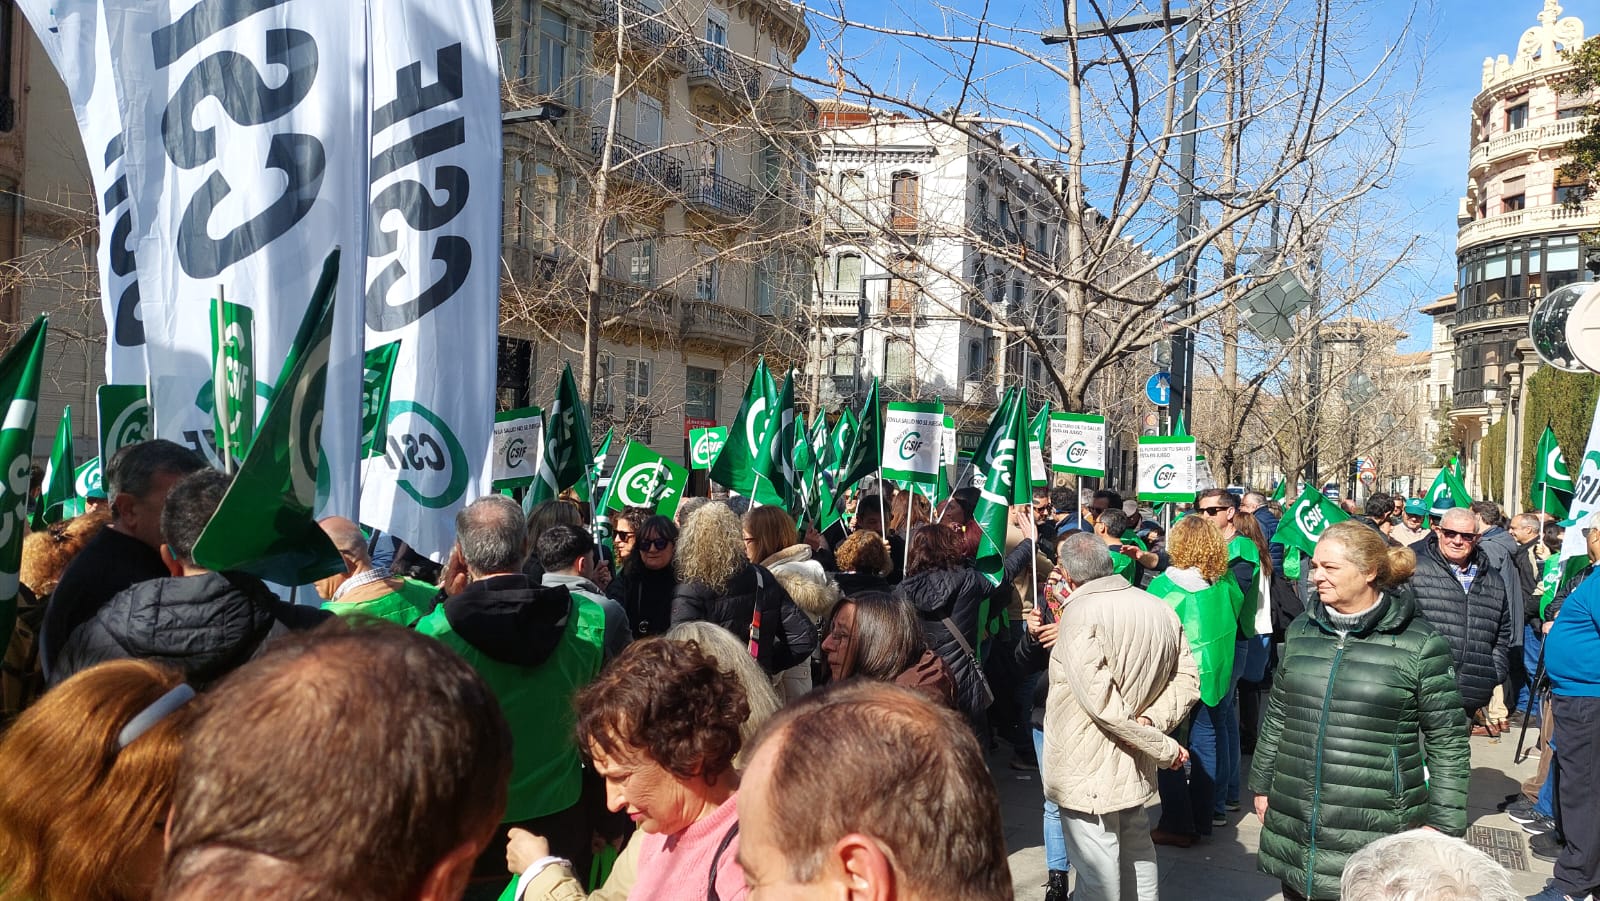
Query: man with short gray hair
[
  {"x": 1121, "y": 678},
  {"x": 535, "y": 646},
  {"x": 1424, "y": 864},
  {"x": 1461, "y": 593}
]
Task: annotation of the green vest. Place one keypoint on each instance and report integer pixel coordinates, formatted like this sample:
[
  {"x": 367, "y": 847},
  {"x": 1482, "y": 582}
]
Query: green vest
[
  {"x": 537, "y": 702},
  {"x": 1209, "y": 620},
  {"x": 1122, "y": 565},
  {"x": 1130, "y": 538},
  {"x": 1242, "y": 548},
  {"x": 411, "y": 603}
]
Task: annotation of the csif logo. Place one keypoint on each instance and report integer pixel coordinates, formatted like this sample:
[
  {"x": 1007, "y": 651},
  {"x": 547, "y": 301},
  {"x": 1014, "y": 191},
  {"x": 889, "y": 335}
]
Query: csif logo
[
  {"x": 706, "y": 447},
  {"x": 911, "y": 444},
  {"x": 516, "y": 451},
  {"x": 636, "y": 486},
  {"x": 431, "y": 465},
  {"x": 1164, "y": 476},
  {"x": 1077, "y": 451}
]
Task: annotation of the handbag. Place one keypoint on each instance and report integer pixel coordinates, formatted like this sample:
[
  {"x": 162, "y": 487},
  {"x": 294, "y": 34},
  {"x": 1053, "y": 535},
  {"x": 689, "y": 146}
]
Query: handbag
[{"x": 985, "y": 694}]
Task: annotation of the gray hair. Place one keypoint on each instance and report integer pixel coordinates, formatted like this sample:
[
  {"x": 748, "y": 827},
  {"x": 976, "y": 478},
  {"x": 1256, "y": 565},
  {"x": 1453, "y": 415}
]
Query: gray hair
[
  {"x": 1422, "y": 865},
  {"x": 1256, "y": 498},
  {"x": 1528, "y": 521},
  {"x": 731, "y": 654},
  {"x": 1084, "y": 557},
  {"x": 688, "y": 505},
  {"x": 1462, "y": 515},
  {"x": 492, "y": 535}
]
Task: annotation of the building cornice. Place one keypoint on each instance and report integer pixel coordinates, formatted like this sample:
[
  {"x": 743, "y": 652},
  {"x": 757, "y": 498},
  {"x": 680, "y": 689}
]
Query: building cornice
[{"x": 1537, "y": 55}]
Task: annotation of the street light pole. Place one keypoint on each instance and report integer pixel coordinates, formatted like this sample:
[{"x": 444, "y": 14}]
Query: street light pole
[{"x": 861, "y": 329}]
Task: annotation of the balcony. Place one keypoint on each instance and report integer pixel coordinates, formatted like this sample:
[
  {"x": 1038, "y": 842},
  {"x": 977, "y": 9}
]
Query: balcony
[
  {"x": 636, "y": 162},
  {"x": 625, "y": 306},
  {"x": 785, "y": 107},
  {"x": 644, "y": 32},
  {"x": 977, "y": 393},
  {"x": 841, "y": 303},
  {"x": 1531, "y": 221},
  {"x": 1492, "y": 312},
  {"x": 1525, "y": 140},
  {"x": 713, "y": 194},
  {"x": 721, "y": 77},
  {"x": 717, "y": 327}
]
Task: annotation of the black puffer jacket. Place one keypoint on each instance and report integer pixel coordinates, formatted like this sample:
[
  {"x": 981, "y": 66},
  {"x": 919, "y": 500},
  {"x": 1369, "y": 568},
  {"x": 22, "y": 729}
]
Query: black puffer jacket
[
  {"x": 787, "y": 636},
  {"x": 1351, "y": 720},
  {"x": 206, "y": 625},
  {"x": 1477, "y": 624},
  {"x": 959, "y": 595}
]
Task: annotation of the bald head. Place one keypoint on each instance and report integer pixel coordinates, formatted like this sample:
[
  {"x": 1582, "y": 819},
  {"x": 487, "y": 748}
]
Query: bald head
[{"x": 352, "y": 545}]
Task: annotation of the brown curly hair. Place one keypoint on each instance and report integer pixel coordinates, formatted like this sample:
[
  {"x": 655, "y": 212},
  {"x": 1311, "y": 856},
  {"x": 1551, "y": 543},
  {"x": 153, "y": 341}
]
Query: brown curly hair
[
  {"x": 863, "y": 552},
  {"x": 45, "y": 554},
  {"x": 670, "y": 700}
]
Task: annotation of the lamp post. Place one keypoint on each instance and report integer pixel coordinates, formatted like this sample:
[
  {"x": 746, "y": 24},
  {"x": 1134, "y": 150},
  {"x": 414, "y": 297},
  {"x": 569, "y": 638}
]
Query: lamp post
[
  {"x": 861, "y": 329},
  {"x": 1513, "y": 468}
]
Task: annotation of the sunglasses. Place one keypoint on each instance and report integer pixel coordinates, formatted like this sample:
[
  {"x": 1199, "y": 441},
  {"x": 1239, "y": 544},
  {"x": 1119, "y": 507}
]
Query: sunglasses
[
  {"x": 1212, "y": 511},
  {"x": 654, "y": 544},
  {"x": 622, "y": 536},
  {"x": 1458, "y": 536}
]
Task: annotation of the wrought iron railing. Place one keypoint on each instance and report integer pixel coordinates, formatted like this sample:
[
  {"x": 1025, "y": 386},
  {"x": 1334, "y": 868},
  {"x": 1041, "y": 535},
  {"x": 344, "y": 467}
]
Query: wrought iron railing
[
  {"x": 717, "y": 64},
  {"x": 639, "y": 162},
  {"x": 710, "y": 190}
]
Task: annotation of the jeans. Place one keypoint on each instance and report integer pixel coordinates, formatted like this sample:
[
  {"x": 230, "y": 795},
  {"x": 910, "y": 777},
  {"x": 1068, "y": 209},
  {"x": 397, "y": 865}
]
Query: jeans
[
  {"x": 1055, "y": 841},
  {"x": 1228, "y": 740},
  {"x": 1532, "y": 642},
  {"x": 1545, "y": 804},
  {"x": 1254, "y": 665},
  {"x": 1187, "y": 805}
]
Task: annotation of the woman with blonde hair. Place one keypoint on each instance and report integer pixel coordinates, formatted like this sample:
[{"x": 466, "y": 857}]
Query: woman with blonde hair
[
  {"x": 718, "y": 583},
  {"x": 89, "y": 774},
  {"x": 720, "y": 645},
  {"x": 1202, "y": 591},
  {"x": 1365, "y": 733}
]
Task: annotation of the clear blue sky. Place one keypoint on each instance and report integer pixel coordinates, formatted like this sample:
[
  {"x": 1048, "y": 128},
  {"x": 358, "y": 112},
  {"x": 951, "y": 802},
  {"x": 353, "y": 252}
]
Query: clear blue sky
[{"x": 1453, "y": 37}]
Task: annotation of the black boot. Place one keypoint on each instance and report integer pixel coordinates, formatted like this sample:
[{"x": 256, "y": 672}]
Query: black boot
[{"x": 1057, "y": 887}]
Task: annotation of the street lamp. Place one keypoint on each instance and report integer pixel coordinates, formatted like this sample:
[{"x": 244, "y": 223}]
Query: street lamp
[{"x": 861, "y": 326}]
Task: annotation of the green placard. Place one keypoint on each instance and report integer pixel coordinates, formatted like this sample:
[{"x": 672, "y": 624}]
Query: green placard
[
  {"x": 912, "y": 442},
  {"x": 233, "y": 379},
  {"x": 705, "y": 444},
  {"x": 644, "y": 478},
  {"x": 124, "y": 414}
]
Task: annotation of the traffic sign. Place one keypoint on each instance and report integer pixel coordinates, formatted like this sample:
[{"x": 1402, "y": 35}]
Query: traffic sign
[{"x": 1159, "y": 388}]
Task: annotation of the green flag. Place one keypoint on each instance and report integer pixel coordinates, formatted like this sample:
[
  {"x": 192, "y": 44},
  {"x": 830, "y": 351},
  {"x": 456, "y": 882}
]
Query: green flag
[
  {"x": 1448, "y": 481},
  {"x": 1278, "y": 492},
  {"x": 646, "y": 479},
  {"x": 1006, "y": 483},
  {"x": 233, "y": 380},
  {"x": 124, "y": 416},
  {"x": 19, "y": 387},
  {"x": 866, "y": 444},
  {"x": 1305, "y": 521},
  {"x": 735, "y": 465},
  {"x": 566, "y": 456},
  {"x": 59, "y": 487},
  {"x": 264, "y": 525},
  {"x": 587, "y": 487},
  {"x": 1552, "y": 480},
  {"x": 1038, "y": 440},
  {"x": 774, "y": 466},
  {"x": 1178, "y": 430},
  {"x": 377, "y": 373},
  {"x": 705, "y": 444},
  {"x": 810, "y": 454}
]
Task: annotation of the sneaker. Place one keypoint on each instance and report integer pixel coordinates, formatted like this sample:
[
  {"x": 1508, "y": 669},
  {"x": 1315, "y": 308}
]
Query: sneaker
[
  {"x": 1551, "y": 893},
  {"x": 1539, "y": 825},
  {"x": 1521, "y": 812},
  {"x": 1219, "y": 819},
  {"x": 1024, "y": 764},
  {"x": 1232, "y": 806},
  {"x": 1546, "y": 847}
]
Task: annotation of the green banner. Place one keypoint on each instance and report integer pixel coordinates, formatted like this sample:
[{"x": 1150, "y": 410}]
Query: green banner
[
  {"x": 705, "y": 444},
  {"x": 264, "y": 525},
  {"x": 233, "y": 380},
  {"x": 59, "y": 488},
  {"x": 644, "y": 478},
  {"x": 377, "y": 374},
  {"x": 124, "y": 417},
  {"x": 19, "y": 389}
]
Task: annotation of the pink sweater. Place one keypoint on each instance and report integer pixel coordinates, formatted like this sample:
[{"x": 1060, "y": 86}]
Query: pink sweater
[{"x": 675, "y": 867}]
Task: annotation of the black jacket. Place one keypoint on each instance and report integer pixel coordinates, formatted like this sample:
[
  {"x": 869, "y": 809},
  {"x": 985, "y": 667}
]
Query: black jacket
[
  {"x": 856, "y": 583},
  {"x": 787, "y": 636},
  {"x": 1269, "y": 527},
  {"x": 646, "y": 596},
  {"x": 110, "y": 562},
  {"x": 1501, "y": 549},
  {"x": 511, "y": 618},
  {"x": 1477, "y": 623},
  {"x": 958, "y": 595},
  {"x": 206, "y": 625}
]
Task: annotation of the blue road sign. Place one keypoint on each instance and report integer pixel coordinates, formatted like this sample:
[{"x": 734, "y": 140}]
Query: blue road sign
[{"x": 1159, "y": 389}]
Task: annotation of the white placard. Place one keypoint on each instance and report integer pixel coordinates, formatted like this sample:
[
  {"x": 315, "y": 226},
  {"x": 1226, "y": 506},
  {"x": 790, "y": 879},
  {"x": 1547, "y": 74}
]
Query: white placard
[{"x": 1166, "y": 469}]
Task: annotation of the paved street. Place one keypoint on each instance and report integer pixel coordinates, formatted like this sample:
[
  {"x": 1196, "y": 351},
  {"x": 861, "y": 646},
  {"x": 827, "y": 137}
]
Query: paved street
[{"x": 1224, "y": 868}]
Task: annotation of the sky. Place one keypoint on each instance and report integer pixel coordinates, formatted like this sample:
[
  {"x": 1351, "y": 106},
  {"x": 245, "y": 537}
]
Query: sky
[{"x": 1452, "y": 38}]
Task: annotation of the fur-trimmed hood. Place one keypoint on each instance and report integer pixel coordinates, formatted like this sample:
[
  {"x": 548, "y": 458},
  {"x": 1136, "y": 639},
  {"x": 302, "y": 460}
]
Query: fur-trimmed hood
[{"x": 805, "y": 579}]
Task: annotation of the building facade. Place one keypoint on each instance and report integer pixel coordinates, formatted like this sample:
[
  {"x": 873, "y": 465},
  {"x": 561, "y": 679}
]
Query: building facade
[
  {"x": 657, "y": 190},
  {"x": 923, "y": 224},
  {"x": 1520, "y": 225}
]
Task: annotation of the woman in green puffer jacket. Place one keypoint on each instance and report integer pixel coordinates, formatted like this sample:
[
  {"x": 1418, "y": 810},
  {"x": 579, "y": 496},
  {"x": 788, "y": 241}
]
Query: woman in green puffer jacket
[{"x": 1364, "y": 695}]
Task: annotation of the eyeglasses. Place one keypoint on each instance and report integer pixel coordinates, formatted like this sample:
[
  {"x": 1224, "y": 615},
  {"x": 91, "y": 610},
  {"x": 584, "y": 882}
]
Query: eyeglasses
[
  {"x": 1212, "y": 511},
  {"x": 622, "y": 536},
  {"x": 1453, "y": 535},
  {"x": 654, "y": 544}
]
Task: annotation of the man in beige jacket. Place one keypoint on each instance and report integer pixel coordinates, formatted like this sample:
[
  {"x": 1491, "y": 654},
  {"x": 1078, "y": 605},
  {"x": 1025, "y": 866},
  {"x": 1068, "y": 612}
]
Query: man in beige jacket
[{"x": 1121, "y": 678}]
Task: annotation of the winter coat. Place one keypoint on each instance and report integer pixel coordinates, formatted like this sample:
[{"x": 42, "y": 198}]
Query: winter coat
[
  {"x": 534, "y": 647},
  {"x": 1269, "y": 527},
  {"x": 617, "y": 633},
  {"x": 930, "y": 674},
  {"x": 1477, "y": 623},
  {"x": 787, "y": 636},
  {"x": 805, "y": 579},
  {"x": 1120, "y": 654},
  {"x": 1502, "y": 550},
  {"x": 1349, "y": 724},
  {"x": 109, "y": 563},
  {"x": 645, "y": 595},
  {"x": 206, "y": 625},
  {"x": 960, "y": 595}
]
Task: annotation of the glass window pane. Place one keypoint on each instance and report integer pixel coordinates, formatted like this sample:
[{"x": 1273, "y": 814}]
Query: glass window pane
[
  {"x": 849, "y": 273},
  {"x": 1495, "y": 267},
  {"x": 1562, "y": 259}
]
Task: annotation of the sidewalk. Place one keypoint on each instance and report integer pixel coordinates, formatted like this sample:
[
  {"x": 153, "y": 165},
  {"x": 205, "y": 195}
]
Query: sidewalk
[{"x": 1224, "y": 867}]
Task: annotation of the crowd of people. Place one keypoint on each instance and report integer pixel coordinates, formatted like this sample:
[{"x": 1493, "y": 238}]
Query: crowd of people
[{"x": 720, "y": 704}]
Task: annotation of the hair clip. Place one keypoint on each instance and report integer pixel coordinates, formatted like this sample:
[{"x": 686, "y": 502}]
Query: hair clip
[{"x": 163, "y": 706}]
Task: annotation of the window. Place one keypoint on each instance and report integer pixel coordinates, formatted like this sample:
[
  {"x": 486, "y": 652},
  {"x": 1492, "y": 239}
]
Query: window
[
  {"x": 647, "y": 121},
  {"x": 705, "y": 281},
  {"x": 1041, "y": 240},
  {"x": 1016, "y": 298},
  {"x": 553, "y": 37},
  {"x": 903, "y": 200},
  {"x": 1513, "y": 203},
  {"x": 1572, "y": 112},
  {"x": 847, "y": 273},
  {"x": 716, "y": 27},
  {"x": 1005, "y": 215},
  {"x": 640, "y": 254},
  {"x": 853, "y": 197},
  {"x": 514, "y": 360},
  {"x": 636, "y": 381},
  {"x": 767, "y": 287},
  {"x": 519, "y": 215},
  {"x": 516, "y": 51},
  {"x": 843, "y": 359},
  {"x": 977, "y": 360},
  {"x": 544, "y": 218},
  {"x": 700, "y": 392},
  {"x": 983, "y": 199},
  {"x": 1517, "y": 116},
  {"x": 897, "y": 361},
  {"x": 771, "y": 167},
  {"x": 1572, "y": 193},
  {"x": 903, "y": 288}
]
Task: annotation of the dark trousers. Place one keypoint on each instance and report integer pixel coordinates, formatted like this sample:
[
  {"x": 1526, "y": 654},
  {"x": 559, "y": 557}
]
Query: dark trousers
[{"x": 1577, "y": 783}]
